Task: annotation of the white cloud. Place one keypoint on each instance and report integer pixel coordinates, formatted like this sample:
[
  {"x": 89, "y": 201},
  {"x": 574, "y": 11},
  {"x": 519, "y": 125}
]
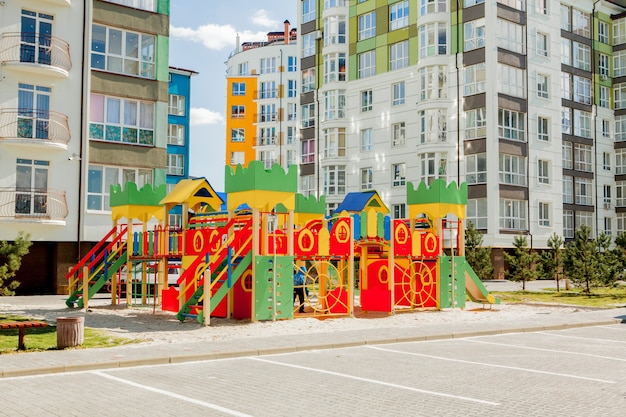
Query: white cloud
[
  {"x": 201, "y": 116},
  {"x": 262, "y": 19},
  {"x": 216, "y": 37}
]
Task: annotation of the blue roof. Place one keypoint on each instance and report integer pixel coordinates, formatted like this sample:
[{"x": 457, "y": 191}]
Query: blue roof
[
  {"x": 224, "y": 207},
  {"x": 355, "y": 202}
]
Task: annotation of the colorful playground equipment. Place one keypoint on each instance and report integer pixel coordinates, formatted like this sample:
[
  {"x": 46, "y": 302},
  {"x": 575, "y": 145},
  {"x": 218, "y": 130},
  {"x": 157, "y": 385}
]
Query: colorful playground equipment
[{"x": 240, "y": 262}]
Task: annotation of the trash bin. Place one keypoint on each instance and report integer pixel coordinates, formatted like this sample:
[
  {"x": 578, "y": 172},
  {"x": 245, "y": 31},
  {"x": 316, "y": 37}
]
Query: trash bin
[{"x": 70, "y": 331}]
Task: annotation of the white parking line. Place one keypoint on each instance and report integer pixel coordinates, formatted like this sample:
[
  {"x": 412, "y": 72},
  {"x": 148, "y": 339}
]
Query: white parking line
[
  {"x": 515, "y": 368},
  {"x": 173, "y": 395},
  {"x": 619, "y": 328},
  {"x": 374, "y": 381},
  {"x": 546, "y": 350},
  {"x": 580, "y": 337}
]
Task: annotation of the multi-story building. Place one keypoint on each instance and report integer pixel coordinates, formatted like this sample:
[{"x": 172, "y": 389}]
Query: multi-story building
[
  {"x": 261, "y": 100},
  {"x": 83, "y": 105},
  {"x": 178, "y": 122},
  {"x": 399, "y": 91}
]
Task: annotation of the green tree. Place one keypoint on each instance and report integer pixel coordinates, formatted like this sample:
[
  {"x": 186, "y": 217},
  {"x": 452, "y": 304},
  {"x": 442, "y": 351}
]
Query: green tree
[
  {"x": 11, "y": 255},
  {"x": 478, "y": 257},
  {"x": 552, "y": 259},
  {"x": 582, "y": 260},
  {"x": 522, "y": 262}
]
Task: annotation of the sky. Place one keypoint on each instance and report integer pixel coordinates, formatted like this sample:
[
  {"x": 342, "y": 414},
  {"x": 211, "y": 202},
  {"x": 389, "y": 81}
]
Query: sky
[{"x": 202, "y": 35}]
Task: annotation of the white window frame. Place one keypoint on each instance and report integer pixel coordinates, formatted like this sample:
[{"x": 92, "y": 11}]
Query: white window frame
[
  {"x": 367, "y": 139},
  {"x": 399, "y": 15},
  {"x": 175, "y": 164},
  {"x": 476, "y": 168},
  {"x": 123, "y": 57},
  {"x": 543, "y": 171},
  {"x": 476, "y": 123},
  {"x": 176, "y": 134},
  {"x": 474, "y": 34},
  {"x": 398, "y": 55},
  {"x": 543, "y": 129},
  {"x": 367, "y": 179},
  {"x": 512, "y": 169},
  {"x": 398, "y": 133},
  {"x": 367, "y": 64},
  {"x": 398, "y": 175},
  {"x": 475, "y": 79},
  {"x": 477, "y": 213},
  {"x": 367, "y": 100},
  {"x": 544, "y": 214},
  {"x": 398, "y": 93},
  {"x": 513, "y": 214},
  {"x": 366, "y": 25},
  {"x": 511, "y": 125},
  {"x": 433, "y": 39}
]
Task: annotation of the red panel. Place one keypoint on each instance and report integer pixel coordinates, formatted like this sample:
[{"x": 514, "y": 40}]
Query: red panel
[
  {"x": 170, "y": 300},
  {"x": 375, "y": 293},
  {"x": 429, "y": 245},
  {"x": 221, "y": 309},
  {"x": 340, "y": 238},
  {"x": 242, "y": 296},
  {"x": 338, "y": 301},
  {"x": 306, "y": 243},
  {"x": 417, "y": 286},
  {"x": 281, "y": 243},
  {"x": 403, "y": 243}
]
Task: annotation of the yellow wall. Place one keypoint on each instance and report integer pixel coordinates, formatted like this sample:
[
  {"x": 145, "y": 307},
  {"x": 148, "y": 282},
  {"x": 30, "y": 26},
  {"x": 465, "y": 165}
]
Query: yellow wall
[{"x": 246, "y": 122}]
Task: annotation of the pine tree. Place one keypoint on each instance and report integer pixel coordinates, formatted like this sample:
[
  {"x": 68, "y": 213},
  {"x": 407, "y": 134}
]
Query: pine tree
[
  {"x": 522, "y": 263},
  {"x": 478, "y": 257},
  {"x": 581, "y": 263},
  {"x": 552, "y": 259},
  {"x": 11, "y": 255}
]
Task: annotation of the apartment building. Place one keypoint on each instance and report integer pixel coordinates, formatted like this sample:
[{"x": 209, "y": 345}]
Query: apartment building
[
  {"x": 83, "y": 105},
  {"x": 522, "y": 100},
  {"x": 262, "y": 100}
]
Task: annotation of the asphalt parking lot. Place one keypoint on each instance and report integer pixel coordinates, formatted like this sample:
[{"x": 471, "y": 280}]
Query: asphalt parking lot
[{"x": 572, "y": 372}]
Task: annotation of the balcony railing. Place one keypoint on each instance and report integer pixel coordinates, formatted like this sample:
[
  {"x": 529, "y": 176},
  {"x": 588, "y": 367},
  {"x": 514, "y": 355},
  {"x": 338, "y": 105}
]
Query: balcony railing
[
  {"x": 32, "y": 203},
  {"x": 265, "y": 140},
  {"x": 266, "y": 117},
  {"x": 44, "y": 125},
  {"x": 35, "y": 48}
]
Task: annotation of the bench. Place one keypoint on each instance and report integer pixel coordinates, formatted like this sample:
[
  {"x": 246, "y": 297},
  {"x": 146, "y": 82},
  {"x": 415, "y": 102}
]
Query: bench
[{"x": 21, "y": 326}]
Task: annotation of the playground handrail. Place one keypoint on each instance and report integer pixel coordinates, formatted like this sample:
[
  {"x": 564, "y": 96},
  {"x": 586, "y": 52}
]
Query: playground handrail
[
  {"x": 78, "y": 268},
  {"x": 94, "y": 271}
]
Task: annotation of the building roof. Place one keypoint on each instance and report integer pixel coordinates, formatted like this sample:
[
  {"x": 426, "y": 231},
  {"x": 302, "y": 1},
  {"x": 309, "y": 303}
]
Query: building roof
[
  {"x": 356, "y": 202},
  {"x": 195, "y": 192},
  {"x": 183, "y": 71}
]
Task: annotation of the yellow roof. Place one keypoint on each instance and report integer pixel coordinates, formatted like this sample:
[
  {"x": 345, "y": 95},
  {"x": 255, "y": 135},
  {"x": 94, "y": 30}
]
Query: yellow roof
[{"x": 194, "y": 192}]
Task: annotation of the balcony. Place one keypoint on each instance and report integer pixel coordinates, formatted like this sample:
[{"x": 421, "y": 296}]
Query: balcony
[
  {"x": 34, "y": 127},
  {"x": 36, "y": 53},
  {"x": 32, "y": 204},
  {"x": 266, "y": 117},
  {"x": 265, "y": 140}
]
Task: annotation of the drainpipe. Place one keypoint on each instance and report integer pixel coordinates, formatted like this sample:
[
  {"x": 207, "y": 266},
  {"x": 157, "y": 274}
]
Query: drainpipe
[
  {"x": 459, "y": 95},
  {"x": 594, "y": 109}
]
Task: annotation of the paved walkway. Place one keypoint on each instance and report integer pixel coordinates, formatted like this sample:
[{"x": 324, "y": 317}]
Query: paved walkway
[{"x": 20, "y": 364}]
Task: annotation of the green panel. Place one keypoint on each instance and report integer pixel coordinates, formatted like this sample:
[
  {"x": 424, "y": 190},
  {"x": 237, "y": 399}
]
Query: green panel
[
  {"x": 310, "y": 204},
  {"x": 130, "y": 195},
  {"x": 366, "y": 45},
  {"x": 256, "y": 177},
  {"x": 352, "y": 67},
  {"x": 380, "y": 225},
  {"x": 456, "y": 42},
  {"x": 382, "y": 59},
  {"x": 159, "y": 177},
  {"x": 162, "y": 58},
  {"x": 438, "y": 192},
  {"x": 268, "y": 268},
  {"x": 163, "y": 7},
  {"x": 451, "y": 288},
  {"x": 398, "y": 35},
  {"x": 413, "y": 50},
  {"x": 160, "y": 124}
]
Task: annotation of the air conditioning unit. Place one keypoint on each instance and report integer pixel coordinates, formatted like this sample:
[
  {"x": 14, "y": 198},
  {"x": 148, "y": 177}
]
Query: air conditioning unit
[
  {"x": 318, "y": 34},
  {"x": 603, "y": 77},
  {"x": 607, "y": 205}
]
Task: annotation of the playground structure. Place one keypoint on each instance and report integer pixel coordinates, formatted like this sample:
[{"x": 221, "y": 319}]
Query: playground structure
[{"x": 240, "y": 263}]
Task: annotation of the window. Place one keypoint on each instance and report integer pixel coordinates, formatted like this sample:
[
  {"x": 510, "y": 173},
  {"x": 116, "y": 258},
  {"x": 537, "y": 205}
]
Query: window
[
  {"x": 581, "y": 23},
  {"x": 619, "y": 31},
  {"x": 620, "y": 193},
  {"x": 512, "y": 169},
  {"x": 432, "y": 39},
  {"x": 603, "y": 65},
  {"x": 334, "y": 142},
  {"x": 175, "y": 164},
  {"x": 474, "y": 34},
  {"x": 292, "y": 64},
  {"x": 366, "y": 100},
  {"x": 367, "y": 25},
  {"x": 434, "y": 6},
  {"x": 398, "y": 93},
  {"x": 543, "y": 129},
  {"x": 237, "y": 135},
  {"x": 541, "y": 6},
  {"x": 367, "y": 64},
  {"x": 567, "y": 151},
  {"x": 619, "y": 90},
  {"x": 432, "y": 166},
  {"x": 308, "y": 80},
  {"x": 433, "y": 82},
  {"x": 267, "y": 65},
  {"x": 582, "y": 90},
  {"x": 511, "y": 80},
  {"x": 176, "y": 105},
  {"x": 267, "y": 136},
  {"x": 568, "y": 189},
  {"x": 334, "y": 104},
  {"x": 335, "y": 180},
  {"x": 242, "y": 69},
  {"x": 475, "y": 124},
  {"x": 566, "y": 18},
  {"x": 542, "y": 86},
  {"x": 308, "y": 44},
  {"x": 603, "y": 32},
  {"x": 237, "y": 158},
  {"x": 334, "y": 67},
  {"x": 398, "y": 134},
  {"x": 292, "y": 111},
  {"x": 291, "y": 135},
  {"x": 583, "y": 188},
  {"x": 583, "y": 157},
  {"x": 100, "y": 178},
  {"x": 292, "y": 88},
  {"x": 511, "y": 125},
  {"x": 308, "y": 10},
  {"x": 568, "y": 224},
  {"x": 582, "y": 56},
  {"x": 149, "y": 5},
  {"x": 268, "y": 158},
  {"x": 33, "y": 113},
  {"x": 308, "y": 151},
  {"x": 31, "y": 187},
  {"x": 399, "y": 55},
  {"x": 543, "y": 171},
  {"x": 432, "y": 125},
  {"x": 308, "y": 115},
  {"x": 512, "y": 214},
  {"x": 566, "y": 120},
  {"x": 604, "y": 100},
  {"x": 606, "y": 128},
  {"x": 123, "y": 52},
  {"x": 398, "y": 175},
  {"x": 620, "y": 128},
  {"x": 307, "y": 185},
  {"x": 399, "y": 15},
  {"x": 582, "y": 123},
  {"x": 175, "y": 134},
  {"x": 175, "y": 220},
  {"x": 608, "y": 222},
  {"x": 607, "y": 196},
  {"x": 620, "y": 161},
  {"x": 334, "y": 30},
  {"x": 469, "y": 3},
  {"x": 292, "y": 157},
  {"x": 477, "y": 212},
  {"x": 121, "y": 120},
  {"x": 515, "y": 4},
  {"x": 476, "y": 168},
  {"x": 367, "y": 178},
  {"x": 542, "y": 44},
  {"x": 398, "y": 211},
  {"x": 566, "y": 51},
  {"x": 619, "y": 63},
  {"x": 268, "y": 113},
  {"x": 544, "y": 214},
  {"x": 268, "y": 90},
  {"x": 475, "y": 77},
  {"x": 510, "y": 36},
  {"x": 237, "y": 112},
  {"x": 367, "y": 139},
  {"x": 239, "y": 89}
]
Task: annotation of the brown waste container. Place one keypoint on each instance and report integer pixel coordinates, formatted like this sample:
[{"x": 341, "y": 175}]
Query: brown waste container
[{"x": 70, "y": 331}]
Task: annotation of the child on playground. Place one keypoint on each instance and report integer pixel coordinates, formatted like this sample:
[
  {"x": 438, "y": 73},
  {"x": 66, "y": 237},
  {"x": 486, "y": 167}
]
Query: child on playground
[{"x": 298, "y": 287}]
